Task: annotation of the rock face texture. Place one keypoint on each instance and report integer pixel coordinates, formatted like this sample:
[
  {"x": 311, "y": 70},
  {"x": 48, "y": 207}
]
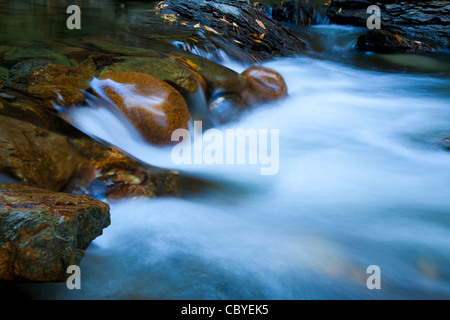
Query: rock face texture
[
  {"x": 426, "y": 21},
  {"x": 45, "y": 151},
  {"x": 381, "y": 41},
  {"x": 232, "y": 23},
  {"x": 36, "y": 156},
  {"x": 295, "y": 11},
  {"x": 168, "y": 70},
  {"x": 43, "y": 233}
]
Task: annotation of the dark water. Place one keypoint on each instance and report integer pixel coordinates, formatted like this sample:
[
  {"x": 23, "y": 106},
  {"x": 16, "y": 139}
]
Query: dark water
[{"x": 363, "y": 181}]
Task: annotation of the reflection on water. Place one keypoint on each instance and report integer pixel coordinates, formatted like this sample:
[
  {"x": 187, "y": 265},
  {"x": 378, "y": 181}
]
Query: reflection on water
[
  {"x": 28, "y": 21},
  {"x": 362, "y": 181}
]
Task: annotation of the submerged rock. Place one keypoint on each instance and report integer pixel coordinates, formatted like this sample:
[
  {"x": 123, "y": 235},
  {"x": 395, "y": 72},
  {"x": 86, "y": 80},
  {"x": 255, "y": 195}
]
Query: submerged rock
[
  {"x": 4, "y": 75},
  {"x": 123, "y": 50},
  {"x": 22, "y": 54},
  {"x": 263, "y": 85},
  {"x": 52, "y": 84},
  {"x": 165, "y": 69},
  {"x": 226, "y": 107},
  {"x": 295, "y": 11},
  {"x": 42, "y": 233},
  {"x": 155, "y": 108},
  {"x": 75, "y": 53}
]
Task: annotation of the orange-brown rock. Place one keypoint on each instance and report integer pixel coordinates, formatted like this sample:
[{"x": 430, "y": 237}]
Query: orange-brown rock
[
  {"x": 36, "y": 156},
  {"x": 61, "y": 84},
  {"x": 42, "y": 149},
  {"x": 42, "y": 233},
  {"x": 263, "y": 85},
  {"x": 154, "y": 107},
  {"x": 114, "y": 175}
]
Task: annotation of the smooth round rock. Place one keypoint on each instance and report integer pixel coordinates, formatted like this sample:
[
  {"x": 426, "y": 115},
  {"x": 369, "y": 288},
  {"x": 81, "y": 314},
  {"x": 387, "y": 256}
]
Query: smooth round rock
[
  {"x": 263, "y": 85},
  {"x": 225, "y": 108},
  {"x": 155, "y": 108}
]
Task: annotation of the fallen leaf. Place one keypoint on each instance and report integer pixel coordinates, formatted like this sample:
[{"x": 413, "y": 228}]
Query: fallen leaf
[
  {"x": 258, "y": 36},
  {"x": 210, "y": 29},
  {"x": 169, "y": 17},
  {"x": 186, "y": 62},
  {"x": 224, "y": 19},
  {"x": 260, "y": 24},
  {"x": 396, "y": 36}
]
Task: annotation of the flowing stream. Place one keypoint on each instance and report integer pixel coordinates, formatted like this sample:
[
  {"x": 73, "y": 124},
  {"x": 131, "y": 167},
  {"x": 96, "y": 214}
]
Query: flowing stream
[{"x": 362, "y": 181}]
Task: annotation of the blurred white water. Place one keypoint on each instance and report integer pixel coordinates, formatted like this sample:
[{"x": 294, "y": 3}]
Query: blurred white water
[{"x": 362, "y": 182}]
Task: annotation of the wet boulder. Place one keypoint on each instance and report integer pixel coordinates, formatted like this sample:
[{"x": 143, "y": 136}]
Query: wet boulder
[
  {"x": 154, "y": 107},
  {"x": 42, "y": 233},
  {"x": 263, "y": 85}
]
